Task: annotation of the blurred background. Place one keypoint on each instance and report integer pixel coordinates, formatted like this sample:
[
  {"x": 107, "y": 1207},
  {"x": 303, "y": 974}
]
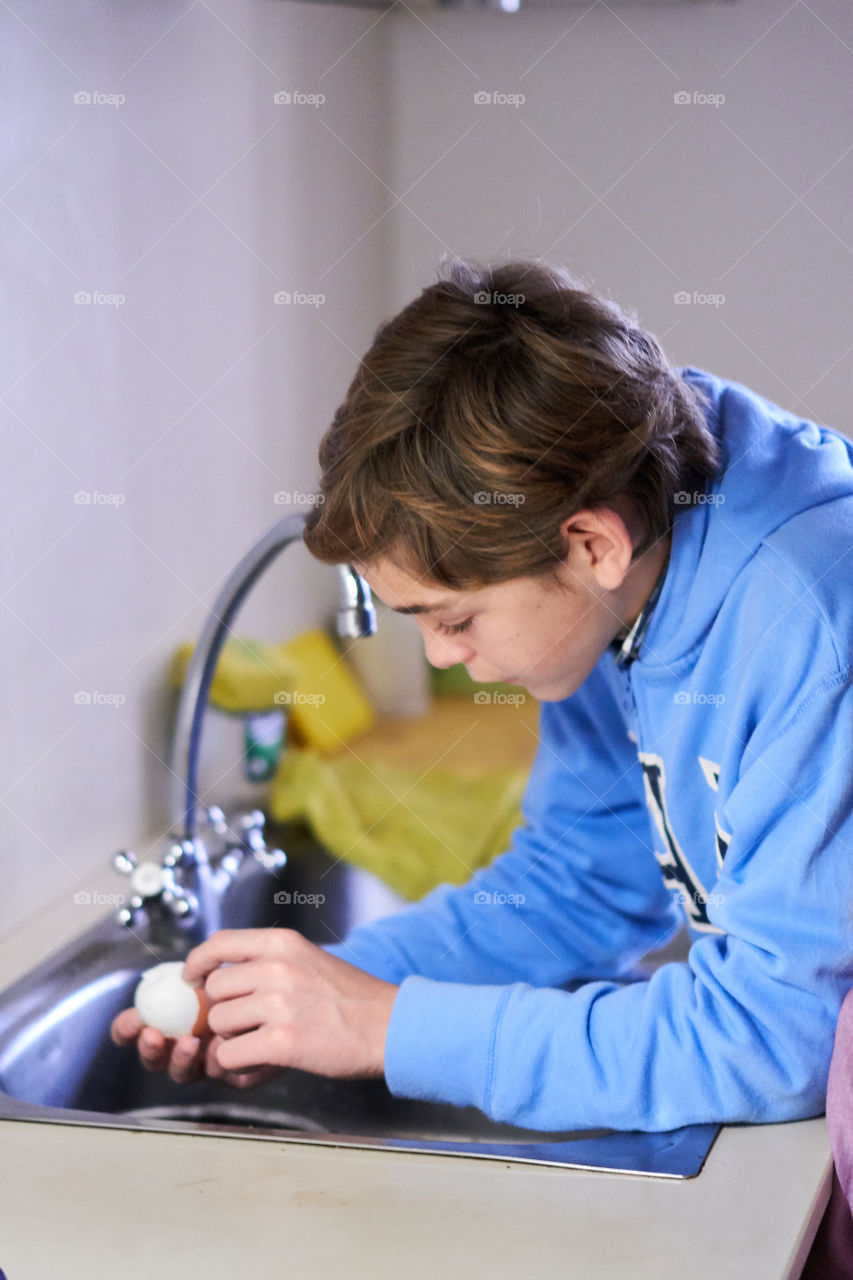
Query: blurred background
[{"x": 206, "y": 209}]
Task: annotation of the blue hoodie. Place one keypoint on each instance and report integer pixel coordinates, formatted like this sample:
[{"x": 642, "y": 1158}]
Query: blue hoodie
[{"x": 708, "y": 782}]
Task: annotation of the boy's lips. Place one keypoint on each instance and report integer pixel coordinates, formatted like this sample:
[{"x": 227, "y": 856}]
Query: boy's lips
[{"x": 494, "y": 679}]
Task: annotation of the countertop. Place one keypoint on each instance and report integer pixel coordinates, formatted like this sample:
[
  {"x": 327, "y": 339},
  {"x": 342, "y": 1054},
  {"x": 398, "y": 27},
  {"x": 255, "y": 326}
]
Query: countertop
[{"x": 76, "y": 1200}]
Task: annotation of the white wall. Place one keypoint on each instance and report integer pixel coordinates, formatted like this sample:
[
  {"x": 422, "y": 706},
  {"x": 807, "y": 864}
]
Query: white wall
[
  {"x": 194, "y": 401},
  {"x": 601, "y": 170}
]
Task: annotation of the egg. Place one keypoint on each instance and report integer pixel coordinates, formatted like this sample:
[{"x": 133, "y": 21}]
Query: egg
[{"x": 164, "y": 1001}]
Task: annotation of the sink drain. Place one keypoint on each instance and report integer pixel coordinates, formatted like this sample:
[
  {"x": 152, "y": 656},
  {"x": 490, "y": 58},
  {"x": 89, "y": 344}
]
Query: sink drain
[{"x": 227, "y": 1113}]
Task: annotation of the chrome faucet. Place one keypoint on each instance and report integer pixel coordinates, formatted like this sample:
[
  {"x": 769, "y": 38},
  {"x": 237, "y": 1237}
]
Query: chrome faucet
[{"x": 182, "y": 893}]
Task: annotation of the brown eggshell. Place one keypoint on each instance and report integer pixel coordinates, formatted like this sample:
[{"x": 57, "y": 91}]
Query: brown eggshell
[{"x": 200, "y": 1026}]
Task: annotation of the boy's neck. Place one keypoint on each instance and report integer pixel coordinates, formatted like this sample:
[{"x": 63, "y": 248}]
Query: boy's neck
[{"x": 648, "y": 578}]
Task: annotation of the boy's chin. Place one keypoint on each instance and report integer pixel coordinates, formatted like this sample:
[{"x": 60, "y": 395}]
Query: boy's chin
[{"x": 551, "y": 690}]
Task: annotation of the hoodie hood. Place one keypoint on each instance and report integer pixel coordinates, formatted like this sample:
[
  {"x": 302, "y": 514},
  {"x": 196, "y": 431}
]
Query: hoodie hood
[{"x": 774, "y": 466}]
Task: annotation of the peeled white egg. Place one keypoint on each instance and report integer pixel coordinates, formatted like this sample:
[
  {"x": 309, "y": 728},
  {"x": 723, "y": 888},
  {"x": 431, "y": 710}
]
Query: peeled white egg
[{"x": 169, "y": 1004}]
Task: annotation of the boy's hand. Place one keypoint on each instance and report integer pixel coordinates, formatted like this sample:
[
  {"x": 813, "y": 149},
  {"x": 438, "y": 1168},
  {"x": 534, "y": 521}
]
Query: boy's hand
[
  {"x": 186, "y": 1059},
  {"x": 281, "y": 1001}
]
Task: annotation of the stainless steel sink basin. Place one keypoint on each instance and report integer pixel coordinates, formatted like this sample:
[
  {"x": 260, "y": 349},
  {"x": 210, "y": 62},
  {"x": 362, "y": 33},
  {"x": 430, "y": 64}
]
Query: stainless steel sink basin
[{"x": 58, "y": 1065}]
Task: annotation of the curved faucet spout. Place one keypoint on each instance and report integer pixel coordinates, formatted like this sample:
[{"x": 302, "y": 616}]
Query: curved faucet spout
[{"x": 356, "y": 617}]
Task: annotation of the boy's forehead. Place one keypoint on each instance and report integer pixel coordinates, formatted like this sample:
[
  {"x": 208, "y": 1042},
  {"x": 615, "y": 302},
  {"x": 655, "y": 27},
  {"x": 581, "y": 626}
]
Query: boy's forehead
[{"x": 403, "y": 591}]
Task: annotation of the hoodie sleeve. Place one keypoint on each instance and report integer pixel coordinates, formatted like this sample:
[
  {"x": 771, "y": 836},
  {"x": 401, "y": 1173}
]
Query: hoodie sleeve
[
  {"x": 579, "y": 893},
  {"x": 741, "y": 1031}
]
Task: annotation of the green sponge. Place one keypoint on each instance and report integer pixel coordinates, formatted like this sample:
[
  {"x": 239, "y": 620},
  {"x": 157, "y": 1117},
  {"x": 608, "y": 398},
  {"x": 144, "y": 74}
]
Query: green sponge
[{"x": 454, "y": 682}]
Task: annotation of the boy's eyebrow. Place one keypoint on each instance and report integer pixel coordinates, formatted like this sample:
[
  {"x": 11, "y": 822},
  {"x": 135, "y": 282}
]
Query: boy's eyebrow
[{"x": 426, "y": 608}]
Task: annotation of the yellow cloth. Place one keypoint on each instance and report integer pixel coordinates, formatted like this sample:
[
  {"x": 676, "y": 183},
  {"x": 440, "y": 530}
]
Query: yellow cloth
[
  {"x": 328, "y": 708},
  {"x": 413, "y": 829},
  {"x": 248, "y": 676},
  {"x": 306, "y": 677}
]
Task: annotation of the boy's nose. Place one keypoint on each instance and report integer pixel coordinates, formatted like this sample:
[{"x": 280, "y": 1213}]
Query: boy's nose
[{"x": 442, "y": 652}]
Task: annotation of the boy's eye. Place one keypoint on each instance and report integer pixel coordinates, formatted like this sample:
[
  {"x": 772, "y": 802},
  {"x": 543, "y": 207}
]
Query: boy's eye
[{"x": 454, "y": 628}]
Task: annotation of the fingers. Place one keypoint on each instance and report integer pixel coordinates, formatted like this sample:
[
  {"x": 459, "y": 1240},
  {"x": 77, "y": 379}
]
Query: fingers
[
  {"x": 248, "y": 1052},
  {"x": 181, "y": 1058},
  {"x": 235, "y": 946},
  {"x": 187, "y": 1061},
  {"x": 153, "y": 1049},
  {"x": 249, "y": 1079},
  {"x": 232, "y": 1017},
  {"x": 125, "y": 1027},
  {"x": 237, "y": 1079},
  {"x": 211, "y": 1062},
  {"x": 237, "y": 980},
  {"x": 128, "y": 1027}
]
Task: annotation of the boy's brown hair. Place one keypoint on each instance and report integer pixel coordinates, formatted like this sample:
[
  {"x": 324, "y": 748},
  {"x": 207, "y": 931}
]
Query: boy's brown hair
[{"x": 496, "y": 404}]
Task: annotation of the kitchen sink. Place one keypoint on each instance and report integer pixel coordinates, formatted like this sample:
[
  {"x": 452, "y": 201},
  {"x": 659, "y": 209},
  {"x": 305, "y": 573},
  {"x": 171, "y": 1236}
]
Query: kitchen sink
[{"x": 59, "y": 1066}]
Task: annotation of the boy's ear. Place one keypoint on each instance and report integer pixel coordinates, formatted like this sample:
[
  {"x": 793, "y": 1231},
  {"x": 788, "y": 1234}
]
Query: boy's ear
[{"x": 598, "y": 546}]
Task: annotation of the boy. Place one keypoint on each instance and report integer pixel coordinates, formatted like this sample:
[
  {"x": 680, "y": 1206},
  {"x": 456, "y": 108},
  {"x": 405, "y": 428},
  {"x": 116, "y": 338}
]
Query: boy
[{"x": 663, "y": 558}]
